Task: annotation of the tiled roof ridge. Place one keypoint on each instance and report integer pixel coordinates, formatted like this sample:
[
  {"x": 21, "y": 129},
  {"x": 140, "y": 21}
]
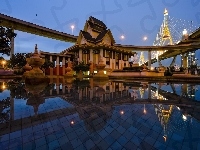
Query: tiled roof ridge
[{"x": 98, "y": 22}]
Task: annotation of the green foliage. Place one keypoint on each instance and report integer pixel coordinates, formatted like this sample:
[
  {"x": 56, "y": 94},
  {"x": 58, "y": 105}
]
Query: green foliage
[
  {"x": 81, "y": 67},
  {"x": 18, "y": 59},
  {"x": 6, "y": 34},
  {"x": 47, "y": 64}
]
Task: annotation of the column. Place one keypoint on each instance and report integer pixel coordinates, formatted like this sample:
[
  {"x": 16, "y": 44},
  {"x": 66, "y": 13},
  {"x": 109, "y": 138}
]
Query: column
[
  {"x": 51, "y": 69},
  {"x": 91, "y": 55},
  {"x": 184, "y": 61},
  {"x": 68, "y": 61},
  {"x": 149, "y": 59},
  {"x": 57, "y": 66},
  {"x": 101, "y": 52},
  {"x": 57, "y": 86},
  {"x": 80, "y": 55},
  {"x": 63, "y": 87},
  {"x": 12, "y": 106},
  {"x": 149, "y": 91},
  {"x": 111, "y": 61},
  {"x": 12, "y": 45},
  {"x": 63, "y": 65},
  {"x": 122, "y": 62}
]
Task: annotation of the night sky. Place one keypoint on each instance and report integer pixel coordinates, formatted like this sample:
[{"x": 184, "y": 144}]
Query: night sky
[{"x": 132, "y": 18}]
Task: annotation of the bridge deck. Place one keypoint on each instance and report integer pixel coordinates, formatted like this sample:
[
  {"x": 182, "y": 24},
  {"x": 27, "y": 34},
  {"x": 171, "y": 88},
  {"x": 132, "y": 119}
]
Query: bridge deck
[{"x": 28, "y": 27}]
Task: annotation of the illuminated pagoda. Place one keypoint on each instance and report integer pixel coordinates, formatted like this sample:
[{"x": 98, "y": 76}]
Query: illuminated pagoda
[{"x": 96, "y": 41}]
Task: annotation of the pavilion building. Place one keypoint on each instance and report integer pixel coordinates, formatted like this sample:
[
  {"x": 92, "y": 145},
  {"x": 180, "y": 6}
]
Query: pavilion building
[{"x": 96, "y": 41}]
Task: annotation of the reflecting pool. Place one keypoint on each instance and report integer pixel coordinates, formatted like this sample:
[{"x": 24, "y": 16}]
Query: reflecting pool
[{"x": 88, "y": 114}]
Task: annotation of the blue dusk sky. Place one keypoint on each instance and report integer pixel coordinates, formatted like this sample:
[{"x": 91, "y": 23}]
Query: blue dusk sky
[{"x": 132, "y": 18}]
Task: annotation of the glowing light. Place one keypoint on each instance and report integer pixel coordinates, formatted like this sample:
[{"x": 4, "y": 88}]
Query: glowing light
[
  {"x": 145, "y": 38},
  {"x": 72, "y": 27},
  {"x": 184, "y": 118},
  {"x": 3, "y": 86},
  {"x": 144, "y": 111},
  {"x": 72, "y": 122},
  {"x": 121, "y": 112},
  {"x": 165, "y": 138},
  {"x": 122, "y": 37},
  {"x": 184, "y": 32},
  {"x": 3, "y": 63}
]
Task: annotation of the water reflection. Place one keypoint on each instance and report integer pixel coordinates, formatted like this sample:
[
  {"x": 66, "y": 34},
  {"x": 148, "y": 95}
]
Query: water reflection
[{"x": 97, "y": 105}]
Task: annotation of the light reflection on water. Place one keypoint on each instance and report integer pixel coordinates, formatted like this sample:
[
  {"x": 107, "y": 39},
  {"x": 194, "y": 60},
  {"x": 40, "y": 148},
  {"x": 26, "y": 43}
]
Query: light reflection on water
[{"x": 125, "y": 109}]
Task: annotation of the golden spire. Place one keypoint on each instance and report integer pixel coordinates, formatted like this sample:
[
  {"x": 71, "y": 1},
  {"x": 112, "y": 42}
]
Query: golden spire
[
  {"x": 166, "y": 32},
  {"x": 165, "y": 12}
]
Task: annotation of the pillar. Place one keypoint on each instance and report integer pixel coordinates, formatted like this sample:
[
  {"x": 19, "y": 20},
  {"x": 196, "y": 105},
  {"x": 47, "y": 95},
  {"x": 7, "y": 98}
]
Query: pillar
[
  {"x": 12, "y": 106},
  {"x": 91, "y": 55},
  {"x": 57, "y": 86},
  {"x": 63, "y": 88},
  {"x": 12, "y": 45},
  {"x": 184, "y": 60},
  {"x": 51, "y": 69},
  {"x": 57, "y": 66},
  {"x": 63, "y": 65},
  {"x": 149, "y": 59},
  {"x": 80, "y": 55},
  {"x": 149, "y": 91},
  {"x": 122, "y": 62},
  {"x": 101, "y": 52}
]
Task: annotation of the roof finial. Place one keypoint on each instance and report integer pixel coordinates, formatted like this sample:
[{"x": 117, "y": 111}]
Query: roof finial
[{"x": 36, "y": 49}]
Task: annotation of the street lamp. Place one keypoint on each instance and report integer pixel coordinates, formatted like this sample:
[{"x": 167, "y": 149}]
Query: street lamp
[
  {"x": 72, "y": 27},
  {"x": 145, "y": 38},
  {"x": 185, "y": 35},
  {"x": 122, "y": 37}
]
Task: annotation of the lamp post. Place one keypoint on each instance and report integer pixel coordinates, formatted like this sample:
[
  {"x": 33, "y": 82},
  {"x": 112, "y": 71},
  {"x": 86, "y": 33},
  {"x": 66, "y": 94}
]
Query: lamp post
[{"x": 72, "y": 27}]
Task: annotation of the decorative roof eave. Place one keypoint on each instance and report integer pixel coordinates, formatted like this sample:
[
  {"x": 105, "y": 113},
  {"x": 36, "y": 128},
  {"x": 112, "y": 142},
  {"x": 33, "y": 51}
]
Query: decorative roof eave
[
  {"x": 111, "y": 36},
  {"x": 88, "y": 40},
  {"x": 100, "y": 46}
]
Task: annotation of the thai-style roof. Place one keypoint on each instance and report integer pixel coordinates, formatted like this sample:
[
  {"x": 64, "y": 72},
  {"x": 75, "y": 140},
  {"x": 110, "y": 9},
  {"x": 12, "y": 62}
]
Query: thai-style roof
[
  {"x": 97, "y": 22},
  {"x": 95, "y": 27},
  {"x": 94, "y": 32},
  {"x": 88, "y": 37}
]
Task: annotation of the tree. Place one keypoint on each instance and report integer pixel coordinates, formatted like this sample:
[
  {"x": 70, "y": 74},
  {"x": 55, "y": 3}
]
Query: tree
[
  {"x": 6, "y": 34},
  {"x": 19, "y": 60},
  {"x": 47, "y": 64},
  {"x": 81, "y": 67}
]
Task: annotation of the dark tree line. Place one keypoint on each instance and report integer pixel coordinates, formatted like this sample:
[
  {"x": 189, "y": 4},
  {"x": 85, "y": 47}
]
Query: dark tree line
[{"x": 6, "y": 34}]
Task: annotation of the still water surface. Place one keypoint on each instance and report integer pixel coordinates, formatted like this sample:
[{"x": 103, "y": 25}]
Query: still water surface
[{"x": 100, "y": 115}]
